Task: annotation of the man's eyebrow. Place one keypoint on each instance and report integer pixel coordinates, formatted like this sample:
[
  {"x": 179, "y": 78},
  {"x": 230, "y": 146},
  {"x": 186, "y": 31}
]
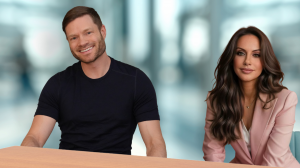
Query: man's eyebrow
[
  {"x": 85, "y": 30},
  {"x": 71, "y": 35}
]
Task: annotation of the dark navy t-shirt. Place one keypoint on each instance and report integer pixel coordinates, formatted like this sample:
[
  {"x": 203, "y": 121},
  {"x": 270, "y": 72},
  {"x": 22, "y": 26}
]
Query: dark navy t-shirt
[{"x": 99, "y": 115}]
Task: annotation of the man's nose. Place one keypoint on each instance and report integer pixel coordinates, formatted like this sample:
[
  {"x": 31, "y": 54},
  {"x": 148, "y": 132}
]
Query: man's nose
[{"x": 83, "y": 42}]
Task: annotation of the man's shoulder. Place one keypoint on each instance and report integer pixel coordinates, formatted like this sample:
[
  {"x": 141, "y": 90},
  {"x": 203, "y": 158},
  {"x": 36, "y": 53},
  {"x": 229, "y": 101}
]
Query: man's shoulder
[
  {"x": 64, "y": 75},
  {"x": 69, "y": 71},
  {"x": 123, "y": 68}
]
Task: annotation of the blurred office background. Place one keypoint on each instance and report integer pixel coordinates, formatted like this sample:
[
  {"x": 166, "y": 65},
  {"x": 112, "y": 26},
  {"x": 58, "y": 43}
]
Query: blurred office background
[{"x": 177, "y": 43}]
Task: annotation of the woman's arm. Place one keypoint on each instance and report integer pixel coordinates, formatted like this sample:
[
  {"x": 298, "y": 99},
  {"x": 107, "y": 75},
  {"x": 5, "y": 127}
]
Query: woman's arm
[
  {"x": 213, "y": 149},
  {"x": 280, "y": 137}
]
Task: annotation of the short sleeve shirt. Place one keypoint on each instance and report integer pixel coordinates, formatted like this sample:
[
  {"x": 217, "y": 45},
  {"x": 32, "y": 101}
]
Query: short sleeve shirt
[{"x": 99, "y": 115}]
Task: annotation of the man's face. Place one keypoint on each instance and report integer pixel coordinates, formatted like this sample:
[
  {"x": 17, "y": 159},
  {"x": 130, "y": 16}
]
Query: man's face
[{"x": 85, "y": 40}]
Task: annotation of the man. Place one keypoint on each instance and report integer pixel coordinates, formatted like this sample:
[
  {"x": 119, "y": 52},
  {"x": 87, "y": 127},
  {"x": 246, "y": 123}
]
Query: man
[{"x": 98, "y": 101}]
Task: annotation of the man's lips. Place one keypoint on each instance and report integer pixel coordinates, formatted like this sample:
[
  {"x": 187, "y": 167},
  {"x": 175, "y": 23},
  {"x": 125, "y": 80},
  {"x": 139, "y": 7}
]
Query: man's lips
[
  {"x": 86, "y": 49},
  {"x": 246, "y": 70}
]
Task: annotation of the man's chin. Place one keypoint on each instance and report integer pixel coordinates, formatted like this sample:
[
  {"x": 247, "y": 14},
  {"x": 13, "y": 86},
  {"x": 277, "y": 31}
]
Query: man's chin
[{"x": 86, "y": 60}]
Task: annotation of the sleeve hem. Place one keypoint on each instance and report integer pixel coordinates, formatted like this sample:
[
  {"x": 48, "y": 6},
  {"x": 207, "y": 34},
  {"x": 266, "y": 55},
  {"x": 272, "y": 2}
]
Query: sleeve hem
[
  {"x": 150, "y": 115},
  {"x": 45, "y": 114}
]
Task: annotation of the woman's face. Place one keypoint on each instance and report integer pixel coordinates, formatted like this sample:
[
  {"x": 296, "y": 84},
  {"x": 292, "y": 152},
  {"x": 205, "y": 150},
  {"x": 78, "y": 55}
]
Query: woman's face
[{"x": 247, "y": 62}]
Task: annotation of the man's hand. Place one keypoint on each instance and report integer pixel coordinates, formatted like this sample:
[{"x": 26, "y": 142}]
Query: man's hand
[
  {"x": 153, "y": 139},
  {"x": 39, "y": 132}
]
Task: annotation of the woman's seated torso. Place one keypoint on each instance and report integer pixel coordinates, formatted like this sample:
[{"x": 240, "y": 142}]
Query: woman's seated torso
[{"x": 269, "y": 131}]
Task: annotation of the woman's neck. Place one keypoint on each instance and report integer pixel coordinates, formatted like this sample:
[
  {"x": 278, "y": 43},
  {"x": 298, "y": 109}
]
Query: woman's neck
[{"x": 249, "y": 89}]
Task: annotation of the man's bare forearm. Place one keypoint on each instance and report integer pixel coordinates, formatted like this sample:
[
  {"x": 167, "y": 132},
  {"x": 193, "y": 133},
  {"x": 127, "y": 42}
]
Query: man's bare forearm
[
  {"x": 157, "y": 150},
  {"x": 30, "y": 141}
]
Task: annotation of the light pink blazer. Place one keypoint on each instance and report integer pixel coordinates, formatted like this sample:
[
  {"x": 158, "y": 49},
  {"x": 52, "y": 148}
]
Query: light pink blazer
[{"x": 270, "y": 135}]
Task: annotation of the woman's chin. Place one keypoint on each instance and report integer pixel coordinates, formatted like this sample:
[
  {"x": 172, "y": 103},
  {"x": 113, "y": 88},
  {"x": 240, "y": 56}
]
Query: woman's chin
[{"x": 247, "y": 79}]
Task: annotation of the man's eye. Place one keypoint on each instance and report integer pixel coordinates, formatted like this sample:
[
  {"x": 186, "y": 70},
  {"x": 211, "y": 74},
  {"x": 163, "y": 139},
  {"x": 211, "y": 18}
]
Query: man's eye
[
  {"x": 73, "y": 38},
  {"x": 89, "y": 32}
]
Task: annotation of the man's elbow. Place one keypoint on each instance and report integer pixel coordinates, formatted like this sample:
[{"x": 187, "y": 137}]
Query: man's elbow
[
  {"x": 31, "y": 141},
  {"x": 157, "y": 149}
]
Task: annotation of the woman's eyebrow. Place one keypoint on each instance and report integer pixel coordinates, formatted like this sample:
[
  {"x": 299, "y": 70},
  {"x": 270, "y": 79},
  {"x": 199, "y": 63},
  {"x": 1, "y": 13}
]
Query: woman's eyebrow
[
  {"x": 240, "y": 48},
  {"x": 245, "y": 50}
]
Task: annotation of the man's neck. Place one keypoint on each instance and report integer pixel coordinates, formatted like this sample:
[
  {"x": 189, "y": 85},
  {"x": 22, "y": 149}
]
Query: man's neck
[{"x": 98, "y": 68}]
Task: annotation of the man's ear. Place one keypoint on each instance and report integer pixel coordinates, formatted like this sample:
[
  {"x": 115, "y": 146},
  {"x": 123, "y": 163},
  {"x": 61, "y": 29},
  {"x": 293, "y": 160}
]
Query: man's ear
[{"x": 103, "y": 31}]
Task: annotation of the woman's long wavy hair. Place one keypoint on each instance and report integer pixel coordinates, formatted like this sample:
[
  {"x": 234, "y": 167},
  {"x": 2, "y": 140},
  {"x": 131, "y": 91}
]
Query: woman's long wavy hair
[{"x": 226, "y": 96}]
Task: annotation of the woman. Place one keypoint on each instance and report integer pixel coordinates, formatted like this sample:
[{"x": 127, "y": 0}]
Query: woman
[{"x": 249, "y": 107}]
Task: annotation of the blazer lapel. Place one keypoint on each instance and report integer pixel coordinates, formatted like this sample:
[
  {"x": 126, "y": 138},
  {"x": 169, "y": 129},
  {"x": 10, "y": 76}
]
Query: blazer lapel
[
  {"x": 260, "y": 121},
  {"x": 242, "y": 143}
]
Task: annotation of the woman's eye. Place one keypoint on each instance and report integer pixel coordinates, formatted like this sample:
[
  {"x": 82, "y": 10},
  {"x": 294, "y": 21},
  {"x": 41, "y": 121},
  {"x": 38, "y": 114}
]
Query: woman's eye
[
  {"x": 240, "y": 53},
  {"x": 256, "y": 55}
]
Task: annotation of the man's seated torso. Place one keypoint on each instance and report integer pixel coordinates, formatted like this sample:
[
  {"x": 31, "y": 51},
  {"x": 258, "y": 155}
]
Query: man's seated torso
[{"x": 99, "y": 114}]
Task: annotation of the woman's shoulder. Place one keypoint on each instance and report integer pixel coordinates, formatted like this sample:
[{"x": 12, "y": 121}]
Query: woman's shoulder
[
  {"x": 285, "y": 93},
  {"x": 286, "y": 98}
]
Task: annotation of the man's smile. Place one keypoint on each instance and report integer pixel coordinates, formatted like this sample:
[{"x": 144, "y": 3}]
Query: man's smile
[{"x": 87, "y": 49}]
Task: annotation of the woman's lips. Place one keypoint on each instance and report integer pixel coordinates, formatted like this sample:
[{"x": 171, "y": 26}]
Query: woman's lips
[{"x": 246, "y": 70}]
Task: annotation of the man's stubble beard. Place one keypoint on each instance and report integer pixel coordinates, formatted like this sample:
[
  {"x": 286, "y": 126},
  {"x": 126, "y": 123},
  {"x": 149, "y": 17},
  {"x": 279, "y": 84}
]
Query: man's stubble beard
[{"x": 100, "y": 50}]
